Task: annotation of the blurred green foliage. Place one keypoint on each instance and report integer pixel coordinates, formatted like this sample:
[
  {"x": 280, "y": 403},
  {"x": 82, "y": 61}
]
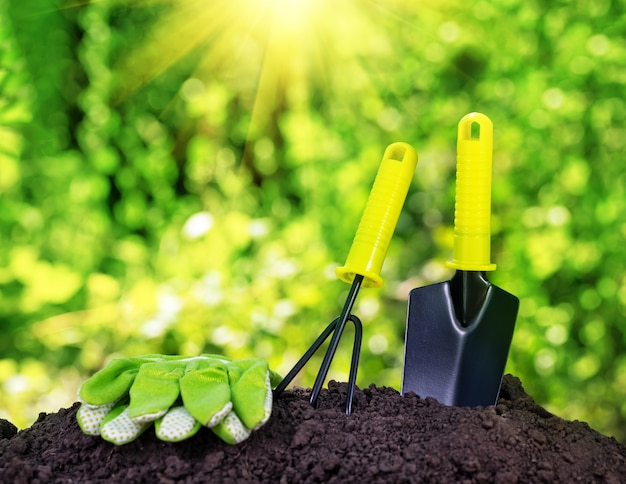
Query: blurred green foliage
[{"x": 183, "y": 177}]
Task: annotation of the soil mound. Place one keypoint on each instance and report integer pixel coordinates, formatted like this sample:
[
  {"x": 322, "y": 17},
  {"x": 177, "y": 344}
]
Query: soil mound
[{"x": 387, "y": 439}]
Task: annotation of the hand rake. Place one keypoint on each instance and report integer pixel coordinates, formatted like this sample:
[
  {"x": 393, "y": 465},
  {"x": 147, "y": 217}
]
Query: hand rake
[{"x": 365, "y": 259}]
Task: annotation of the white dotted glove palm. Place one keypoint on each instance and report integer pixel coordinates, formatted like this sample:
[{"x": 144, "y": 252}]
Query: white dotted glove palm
[{"x": 180, "y": 395}]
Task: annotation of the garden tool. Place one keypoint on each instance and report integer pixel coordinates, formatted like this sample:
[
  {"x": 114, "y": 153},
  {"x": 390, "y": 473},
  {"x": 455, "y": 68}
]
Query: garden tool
[
  {"x": 458, "y": 332},
  {"x": 179, "y": 394},
  {"x": 364, "y": 262}
]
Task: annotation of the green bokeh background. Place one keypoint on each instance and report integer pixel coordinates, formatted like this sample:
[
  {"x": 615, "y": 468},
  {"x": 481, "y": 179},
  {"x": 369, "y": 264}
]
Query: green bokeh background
[{"x": 183, "y": 177}]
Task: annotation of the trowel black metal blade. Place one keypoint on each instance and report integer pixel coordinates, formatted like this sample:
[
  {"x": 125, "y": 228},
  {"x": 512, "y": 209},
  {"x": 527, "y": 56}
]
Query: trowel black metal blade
[{"x": 457, "y": 364}]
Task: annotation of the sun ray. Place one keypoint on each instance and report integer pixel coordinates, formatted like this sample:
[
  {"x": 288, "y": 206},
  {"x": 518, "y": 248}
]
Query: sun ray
[{"x": 179, "y": 32}]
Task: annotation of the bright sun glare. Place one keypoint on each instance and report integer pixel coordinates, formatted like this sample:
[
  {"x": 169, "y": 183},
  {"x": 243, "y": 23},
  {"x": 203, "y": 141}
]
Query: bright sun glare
[
  {"x": 267, "y": 50},
  {"x": 281, "y": 41},
  {"x": 230, "y": 32}
]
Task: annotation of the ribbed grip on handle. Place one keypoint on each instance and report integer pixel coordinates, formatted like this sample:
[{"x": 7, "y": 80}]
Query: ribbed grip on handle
[
  {"x": 472, "y": 215},
  {"x": 382, "y": 210}
]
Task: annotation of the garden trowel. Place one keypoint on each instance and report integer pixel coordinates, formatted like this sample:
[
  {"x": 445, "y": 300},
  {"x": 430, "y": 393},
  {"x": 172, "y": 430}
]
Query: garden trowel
[{"x": 459, "y": 332}]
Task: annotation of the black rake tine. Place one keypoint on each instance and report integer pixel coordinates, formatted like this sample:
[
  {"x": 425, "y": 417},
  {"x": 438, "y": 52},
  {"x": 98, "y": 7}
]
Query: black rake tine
[
  {"x": 334, "y": 342},
  {"x": 305, "y": 358},
  {"x": 354, "y": 365},
  {"x": 356, "y": 352}
]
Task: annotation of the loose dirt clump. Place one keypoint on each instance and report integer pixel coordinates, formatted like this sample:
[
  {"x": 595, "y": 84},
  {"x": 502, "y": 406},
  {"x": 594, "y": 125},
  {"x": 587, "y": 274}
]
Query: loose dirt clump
[{"x": 387, "y": 439}]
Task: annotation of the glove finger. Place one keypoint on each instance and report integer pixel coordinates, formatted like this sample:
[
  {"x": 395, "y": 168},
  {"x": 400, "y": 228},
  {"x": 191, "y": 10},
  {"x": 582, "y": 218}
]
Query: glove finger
[
  {"x": 231, "y": 430},
  {"x": 90, "y": 417},
  {"x": 251, "y": 391},
  {"x": 206, "y": 392},
  {"x": 176, "y": 425},
  {"x": 111, "y": 382},
  {"x": 155, "y": 390},
  {"x": 118, "y": 428}
]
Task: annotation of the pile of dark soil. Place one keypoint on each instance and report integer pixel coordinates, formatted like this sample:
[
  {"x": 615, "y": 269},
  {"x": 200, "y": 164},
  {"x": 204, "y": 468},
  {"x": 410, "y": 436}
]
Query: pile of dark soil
[{"x": 388, "y": 438}]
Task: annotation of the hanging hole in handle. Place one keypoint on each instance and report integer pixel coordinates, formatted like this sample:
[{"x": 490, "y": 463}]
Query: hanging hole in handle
[
  {"x": 475, "y": 127},
  {"x": 475, "y": 130},
  {"x": 396, "y": 152}
]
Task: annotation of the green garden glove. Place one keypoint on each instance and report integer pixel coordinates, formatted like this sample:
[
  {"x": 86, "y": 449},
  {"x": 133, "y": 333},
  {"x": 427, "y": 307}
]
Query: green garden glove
[{"x": 179, "y": 394}]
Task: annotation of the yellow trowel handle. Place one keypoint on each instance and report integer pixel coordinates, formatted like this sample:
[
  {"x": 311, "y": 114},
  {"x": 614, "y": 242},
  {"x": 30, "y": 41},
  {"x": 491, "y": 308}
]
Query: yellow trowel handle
[
  {"x": 381, "y": 214},
  {"x": 472, "y": 215}
]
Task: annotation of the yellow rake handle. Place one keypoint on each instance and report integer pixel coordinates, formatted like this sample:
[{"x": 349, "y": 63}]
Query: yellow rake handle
[
  {"x": 472, "y": 215},
  {"x": 382, "y": 210}
]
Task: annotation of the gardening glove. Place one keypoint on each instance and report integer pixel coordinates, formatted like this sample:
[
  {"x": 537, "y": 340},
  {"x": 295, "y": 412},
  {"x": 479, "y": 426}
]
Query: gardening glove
[
  {"x": 107, "y": 388},
  {"x": 233, "y": 398}
]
